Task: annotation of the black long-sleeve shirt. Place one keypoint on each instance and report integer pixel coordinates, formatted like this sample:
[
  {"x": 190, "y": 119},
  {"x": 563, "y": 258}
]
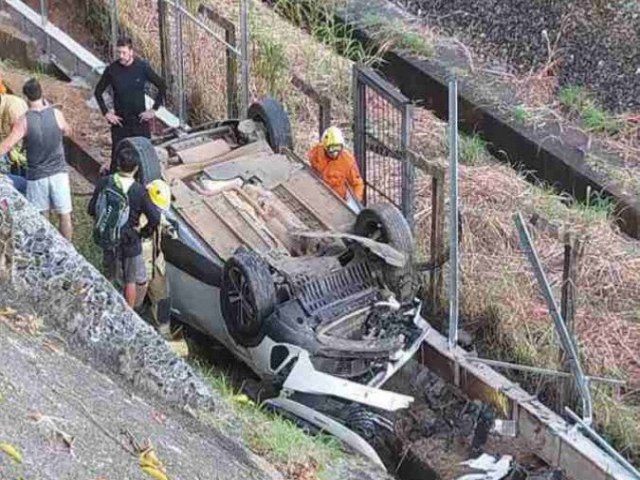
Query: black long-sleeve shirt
[
  {"x": 128, "y": 84},
  {"x": 139, "y": 203}
]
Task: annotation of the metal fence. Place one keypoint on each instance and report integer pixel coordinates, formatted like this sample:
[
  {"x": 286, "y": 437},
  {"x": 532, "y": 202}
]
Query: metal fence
[{"x": 382, "y": 132}]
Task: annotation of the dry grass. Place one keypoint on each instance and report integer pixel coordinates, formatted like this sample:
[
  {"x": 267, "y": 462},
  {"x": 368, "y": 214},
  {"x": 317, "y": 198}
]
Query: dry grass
[{"x": 500, "y": 298}]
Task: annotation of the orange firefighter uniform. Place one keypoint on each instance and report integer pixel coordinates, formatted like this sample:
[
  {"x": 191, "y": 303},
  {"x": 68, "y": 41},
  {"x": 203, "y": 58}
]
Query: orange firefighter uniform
[{"x": 339, "y": 173}]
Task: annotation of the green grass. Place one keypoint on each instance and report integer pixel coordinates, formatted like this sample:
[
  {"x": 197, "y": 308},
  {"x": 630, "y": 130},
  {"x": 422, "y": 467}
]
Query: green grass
[
  {"x": 594, "y": 119},
  {"x": 473, "y": 150},
  {"x": 397, "y": 34},
  {"x": 83, "y": 231},
  {"x": 271, "y": 64},
  {"x": 268, "y": 434},
  {"x": 521, "y": 114}
]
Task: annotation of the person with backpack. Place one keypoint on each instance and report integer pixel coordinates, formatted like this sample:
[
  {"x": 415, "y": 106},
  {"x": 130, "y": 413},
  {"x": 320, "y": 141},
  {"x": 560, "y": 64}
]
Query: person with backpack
[{"x": 117, "y": 204}]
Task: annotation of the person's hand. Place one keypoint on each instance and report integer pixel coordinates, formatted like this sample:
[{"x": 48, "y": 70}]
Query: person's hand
[
  {"x": 104, "y": 169},
  {"x": 147, "y": 116},
  {"x": 113, "y": 119}
]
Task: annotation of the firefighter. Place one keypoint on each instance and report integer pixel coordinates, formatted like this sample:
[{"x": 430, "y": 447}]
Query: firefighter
[
  {"x": 154, "y": 296},
  {"x": 336, "y": 164}
]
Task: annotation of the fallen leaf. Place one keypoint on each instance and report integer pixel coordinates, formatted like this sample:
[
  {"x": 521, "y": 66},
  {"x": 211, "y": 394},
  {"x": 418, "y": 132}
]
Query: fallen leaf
[{"x": 11, "y": 451}]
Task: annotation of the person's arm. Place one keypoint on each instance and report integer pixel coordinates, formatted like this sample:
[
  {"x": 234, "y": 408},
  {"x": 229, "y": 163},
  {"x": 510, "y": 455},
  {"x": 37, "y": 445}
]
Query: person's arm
[
  {"x": 158, "y": 82},
  {"x": 103, "y": 83},
  {"x": 355, "y": 181},
  {"x": 91, "y": 208},
  {"x": 18, "y": 132},
  {"x": 314, "y": 159},
  {"x": 152, "y": 213},
  {"x": 62, "y": 123}
]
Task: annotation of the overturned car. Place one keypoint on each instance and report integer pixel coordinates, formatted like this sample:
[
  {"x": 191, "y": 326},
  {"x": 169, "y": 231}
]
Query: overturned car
[{"x": 270, "y": 265}]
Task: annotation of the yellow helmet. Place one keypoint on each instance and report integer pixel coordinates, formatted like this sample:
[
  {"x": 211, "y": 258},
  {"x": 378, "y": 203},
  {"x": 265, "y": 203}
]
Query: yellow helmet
[
  {"x": 333, "y": 140},
  {"x": 160, "y": 194}
]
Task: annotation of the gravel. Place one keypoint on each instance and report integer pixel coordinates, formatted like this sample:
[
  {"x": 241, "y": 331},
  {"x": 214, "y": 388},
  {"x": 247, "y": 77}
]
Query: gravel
[{"x": 598, "y": 40}]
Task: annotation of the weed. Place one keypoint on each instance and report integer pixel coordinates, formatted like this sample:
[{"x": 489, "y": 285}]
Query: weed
[
  {"x": 395, "y": 34},
  {"x": 83, "y": 232},
  {"x": 521, "y": 114},
  {"x": 473, "y": 150},
  {"x": 271, "y": 64},
  {"x": 573, "y": 98}
]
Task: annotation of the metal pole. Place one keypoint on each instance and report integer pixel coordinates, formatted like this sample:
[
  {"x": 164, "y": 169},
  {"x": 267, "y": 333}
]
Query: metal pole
[
  {"x": 542, "y": 371},
  {"x": 180, "y": 62},
  {"x": 44, "y": 17},
  {"x": 244, "y": 48},
  {"x": 595, "y": 436},
  {"x": 453, "y": 219},
  {"x": 408, "y": 168},
  {"x": 563, "y": 334},
  {"x": 114, "y": 28}
]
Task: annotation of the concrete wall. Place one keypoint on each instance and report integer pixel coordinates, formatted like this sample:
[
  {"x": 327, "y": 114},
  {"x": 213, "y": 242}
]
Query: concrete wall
[{"x": 67, "y": 292}]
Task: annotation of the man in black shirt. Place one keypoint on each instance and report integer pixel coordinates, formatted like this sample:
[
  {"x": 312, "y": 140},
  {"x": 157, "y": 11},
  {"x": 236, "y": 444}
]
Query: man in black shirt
[{"x": 128, "y": 77}]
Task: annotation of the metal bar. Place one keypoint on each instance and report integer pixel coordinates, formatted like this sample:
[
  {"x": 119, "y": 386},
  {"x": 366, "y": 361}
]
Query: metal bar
[
  {"x": 543, "y": 371},
  {"x": 114, "y": 28},
  {"x": 359, "y": 126},
  {"x": 244, "y": 48},
  {"x": 565, "y": 338},
  {"x": 408, "y": 169},
  {"x": 232, "y": 74},
  {"x": 163, "y": 32},
  {"x": 44, "y": 19},
  {"x": 602, "y": 443},
  {"x": 177, "y": 6},
  {"x": 180, "y": 62},
  {"x": 567, "y": 310},
  {"x": 453, "y": 219}
]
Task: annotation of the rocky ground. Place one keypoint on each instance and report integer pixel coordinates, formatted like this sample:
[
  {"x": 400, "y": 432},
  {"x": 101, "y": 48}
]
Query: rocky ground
[{"x": 591, "y": 43}]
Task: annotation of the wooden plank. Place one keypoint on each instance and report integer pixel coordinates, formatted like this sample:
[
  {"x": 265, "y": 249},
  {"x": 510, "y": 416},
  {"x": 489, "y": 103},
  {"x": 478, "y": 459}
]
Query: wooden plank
[
  {"x": 204, "y": 152},
  {"x": 320, "y": 200}
]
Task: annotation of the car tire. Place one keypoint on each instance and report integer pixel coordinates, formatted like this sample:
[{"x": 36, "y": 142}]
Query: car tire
[
  {"x": 145, "y": 152},
  {"x": 384, "y": 223},
  {"x": 272, "y": 115},
  {"x": 247, "y": 297}
]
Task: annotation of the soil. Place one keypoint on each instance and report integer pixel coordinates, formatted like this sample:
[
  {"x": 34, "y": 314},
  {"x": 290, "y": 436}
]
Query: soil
[{"x": 596, "y": 43}]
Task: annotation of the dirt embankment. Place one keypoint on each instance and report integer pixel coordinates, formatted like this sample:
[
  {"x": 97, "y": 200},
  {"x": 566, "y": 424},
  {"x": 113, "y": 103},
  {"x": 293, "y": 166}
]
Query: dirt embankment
[{"x": 590, "y": 43}]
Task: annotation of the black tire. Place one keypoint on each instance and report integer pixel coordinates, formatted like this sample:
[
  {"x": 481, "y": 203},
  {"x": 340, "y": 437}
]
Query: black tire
[
  {"x": 247, "y": 297},
  {"x": 271, "y": 114},
  {"x": 384, "y": 223},
  {"x": 204, "y": 348},
  {"x": 144, "y": 151}
]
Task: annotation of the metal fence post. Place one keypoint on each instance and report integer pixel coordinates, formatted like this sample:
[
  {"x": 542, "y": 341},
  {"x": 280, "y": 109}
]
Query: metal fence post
[
  {"x": 114, "y": 28},
  {"x": 408, "y": 168},
  {"x": 163, "y": 32},
  {"x": 244, "y": 41},
  {"x": 453, "y": 219},
  {"x": 180, "y": 62},
  {"x": 359, "y": 127},
  {"x": 44, "y": 18}
]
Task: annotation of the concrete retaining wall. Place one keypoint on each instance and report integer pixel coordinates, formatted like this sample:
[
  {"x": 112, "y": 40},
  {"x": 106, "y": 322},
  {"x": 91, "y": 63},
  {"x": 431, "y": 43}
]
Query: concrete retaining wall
[{"x": 65, "y": 290}]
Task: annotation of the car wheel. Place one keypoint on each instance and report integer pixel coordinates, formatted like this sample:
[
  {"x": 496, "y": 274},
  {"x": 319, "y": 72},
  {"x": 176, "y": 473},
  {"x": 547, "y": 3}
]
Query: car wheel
[
  {"x": 384, "y": 223},
  {"x": 204, "y": 348},
  {"x": 142, "y": 149},
  {"x": 271, "y": 114},
  {"x": 247, "y": 297}
]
